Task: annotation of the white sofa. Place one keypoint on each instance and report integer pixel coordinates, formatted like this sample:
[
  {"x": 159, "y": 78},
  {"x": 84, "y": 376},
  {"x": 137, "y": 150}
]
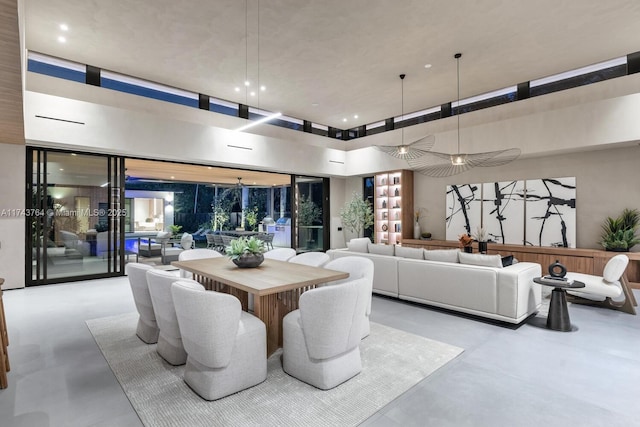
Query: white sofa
[{"x": 502, "y": 293}]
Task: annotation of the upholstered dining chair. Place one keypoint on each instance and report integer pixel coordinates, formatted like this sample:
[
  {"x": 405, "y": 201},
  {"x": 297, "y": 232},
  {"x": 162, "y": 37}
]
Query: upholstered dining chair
[
  {"x": 321, "y": 339},
  {"x": 226, "y": 347},
  {"x": 280, "y": 254},
  {"x": 314, "y": 259},
  {"x": 357, "y": 267},
  {"x": 195, "y": 254},
  {"x": 170, "y": 346},
  {"x": 147, "y": 329},
  {"x": 609, "y": 290}
]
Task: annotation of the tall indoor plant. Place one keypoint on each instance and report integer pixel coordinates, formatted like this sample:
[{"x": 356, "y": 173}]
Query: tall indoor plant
[{"x": 356, "y": 214}]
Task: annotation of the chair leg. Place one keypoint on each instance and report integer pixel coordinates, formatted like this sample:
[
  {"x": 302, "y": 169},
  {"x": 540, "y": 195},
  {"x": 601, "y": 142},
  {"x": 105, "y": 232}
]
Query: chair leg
[{"x": 628, "y": 291}]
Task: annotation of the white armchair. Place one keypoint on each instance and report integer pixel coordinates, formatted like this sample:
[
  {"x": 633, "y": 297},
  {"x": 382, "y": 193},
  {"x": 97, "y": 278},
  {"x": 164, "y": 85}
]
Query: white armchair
[
  {"x": 280, "y": 254},
  {"x": 314, "y": 259},
  {"x": 357, "y": 267},
  {"x": 196, "y": 254},
  {"x": 226, "y": 347},
  {"x": 611, "y": 290},
  {"x": 147, "y": 329},
  {"x": 321, "y": 339}
]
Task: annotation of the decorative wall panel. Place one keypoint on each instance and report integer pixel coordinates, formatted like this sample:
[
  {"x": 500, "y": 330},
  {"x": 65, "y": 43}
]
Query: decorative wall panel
[
  {"x": 463, "y": 209},
  {"x": 551, "y": 212},
  {"x": 503, "y": 211}
]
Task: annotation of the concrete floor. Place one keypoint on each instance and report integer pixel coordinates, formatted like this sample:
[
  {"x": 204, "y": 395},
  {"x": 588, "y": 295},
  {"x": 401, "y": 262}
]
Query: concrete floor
[{"x": 506, "y": 377}]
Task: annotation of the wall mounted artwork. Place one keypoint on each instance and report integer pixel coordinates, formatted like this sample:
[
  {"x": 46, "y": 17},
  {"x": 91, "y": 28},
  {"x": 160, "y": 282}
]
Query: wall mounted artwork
[{"x": 537, "y": 212}]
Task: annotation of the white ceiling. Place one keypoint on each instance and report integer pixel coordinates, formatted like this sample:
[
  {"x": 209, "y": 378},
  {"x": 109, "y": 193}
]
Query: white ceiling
[{"x": 344, "y": 56}]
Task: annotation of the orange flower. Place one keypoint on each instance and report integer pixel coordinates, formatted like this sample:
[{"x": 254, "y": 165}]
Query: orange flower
[{"x": 465, "y": 240}]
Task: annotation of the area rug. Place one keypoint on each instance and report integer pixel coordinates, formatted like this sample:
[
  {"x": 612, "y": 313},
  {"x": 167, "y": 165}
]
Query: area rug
[{"x": 393, "y": 361}]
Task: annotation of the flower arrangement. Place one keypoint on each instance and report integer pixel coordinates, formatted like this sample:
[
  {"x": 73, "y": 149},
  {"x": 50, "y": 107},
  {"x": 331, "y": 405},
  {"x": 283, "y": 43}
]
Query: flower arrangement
[
  {"x": 418, "y": 213},
  {"x": 465, "y": 240}
]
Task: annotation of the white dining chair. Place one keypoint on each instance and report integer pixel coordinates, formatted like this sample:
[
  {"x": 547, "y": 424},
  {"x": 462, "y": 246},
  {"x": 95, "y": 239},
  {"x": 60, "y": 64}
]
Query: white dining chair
[
  {"x": 147, "y": 329},
  {"x": 226, "y": 347},
  {"x": 195, "y": 254},
  {"x": 280, "y": 254},
  {"x": 313, "y": 259},
  {"x": 357, "y": 267}
]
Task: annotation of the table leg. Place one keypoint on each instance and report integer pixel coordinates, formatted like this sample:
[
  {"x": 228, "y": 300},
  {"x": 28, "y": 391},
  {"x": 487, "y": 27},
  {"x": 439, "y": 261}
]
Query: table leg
[
  {"x": 558, "y": 317},
  {"x": 267, "y": 309}
]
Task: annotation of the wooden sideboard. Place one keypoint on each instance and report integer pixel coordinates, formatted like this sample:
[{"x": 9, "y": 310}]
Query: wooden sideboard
[{"x": 588, "y": 261}]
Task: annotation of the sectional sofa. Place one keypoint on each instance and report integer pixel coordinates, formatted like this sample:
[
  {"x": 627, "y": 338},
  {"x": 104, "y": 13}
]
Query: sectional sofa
[{"x": 470, "y": 283}]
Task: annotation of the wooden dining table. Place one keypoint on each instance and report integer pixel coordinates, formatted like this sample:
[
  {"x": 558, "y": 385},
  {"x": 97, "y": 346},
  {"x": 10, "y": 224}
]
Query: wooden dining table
[{"x": 275, "y": 285}]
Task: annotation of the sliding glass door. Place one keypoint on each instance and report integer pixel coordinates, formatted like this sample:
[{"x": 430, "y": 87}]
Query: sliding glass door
[
  {"x": 75, "y": 222},
  {"x": 311, "y": 199}
]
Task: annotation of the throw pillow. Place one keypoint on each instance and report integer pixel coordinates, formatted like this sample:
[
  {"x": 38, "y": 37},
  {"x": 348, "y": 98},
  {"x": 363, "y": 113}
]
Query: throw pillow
[
  {"x": 359, "y": 245},
  {"x": 414, "y": 253},
  {"x": 442, "y": 255},
  {"x": 507, "y": 260},
  {"x": 186, "y": 241},
  {"x": 480, "y": 259},
  {"x": 381, "y": 249}
]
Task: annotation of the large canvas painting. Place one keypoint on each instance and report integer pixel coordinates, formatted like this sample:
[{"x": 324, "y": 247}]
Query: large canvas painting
[
  {"x": 551, "y": 212},
  {"x": 463, "y": 209},
  {"x": 503, "y": 211}
]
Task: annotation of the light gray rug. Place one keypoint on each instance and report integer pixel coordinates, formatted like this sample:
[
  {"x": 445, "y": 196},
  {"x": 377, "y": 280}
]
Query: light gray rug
[{"x": 393, "y": 361}]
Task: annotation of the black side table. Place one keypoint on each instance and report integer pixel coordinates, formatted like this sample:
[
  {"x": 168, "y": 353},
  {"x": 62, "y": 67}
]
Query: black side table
[{"x": 558, "y": 317}]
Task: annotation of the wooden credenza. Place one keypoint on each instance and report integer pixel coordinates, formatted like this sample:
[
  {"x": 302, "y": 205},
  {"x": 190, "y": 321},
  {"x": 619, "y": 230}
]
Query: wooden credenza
[{"x": 588, "y": 261}]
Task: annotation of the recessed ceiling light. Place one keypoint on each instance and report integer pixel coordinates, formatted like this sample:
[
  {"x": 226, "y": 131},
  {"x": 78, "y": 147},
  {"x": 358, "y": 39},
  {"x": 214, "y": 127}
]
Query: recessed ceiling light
[
  {"x": 62, "y": 39},
  {"x": 315, "y": 104},
  {"x": 427, "y": 66},
  {"x": 344, "y": 120},
  {"x": 237, "y": 89},
  {"x": 173, "y": 177},
  {"x": 64, "y": 27},
  {"x": 209, "y": 167},
  {"x": 254, "y": 183},
  {"x": 355, "y": 116},
  {"x": 73, "y": 154},
  {"x": 252, "y": 94},
  {"x": 61, "y": 169},
  {"x": 246, "y": 83},
  {"x": 263, "y": 88}
]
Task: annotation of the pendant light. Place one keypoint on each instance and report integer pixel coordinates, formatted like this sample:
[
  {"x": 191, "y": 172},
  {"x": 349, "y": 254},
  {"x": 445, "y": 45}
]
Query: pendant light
[
  {"x": 414, "y": 150},
  {"x": 443, "y": 164}
]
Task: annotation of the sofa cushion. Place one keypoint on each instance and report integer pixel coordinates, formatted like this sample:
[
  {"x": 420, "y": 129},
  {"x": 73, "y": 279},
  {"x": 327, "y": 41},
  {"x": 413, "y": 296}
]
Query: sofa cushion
[
  {"x": 442, "y": 255},
  {"x": 359, "y": 245},
  {"x": 381, "y": 249},
  {"x": 414, "y": 253},
  {"x": 508, "y": 260},
  {"x": 480, "y": 259}
]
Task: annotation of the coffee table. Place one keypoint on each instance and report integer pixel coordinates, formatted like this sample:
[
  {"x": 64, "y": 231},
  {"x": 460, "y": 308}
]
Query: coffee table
[{"x": 558, "y": 317}]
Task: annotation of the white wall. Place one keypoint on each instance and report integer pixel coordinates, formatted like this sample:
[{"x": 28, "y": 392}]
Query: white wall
[{"x": 12, "y": 232}]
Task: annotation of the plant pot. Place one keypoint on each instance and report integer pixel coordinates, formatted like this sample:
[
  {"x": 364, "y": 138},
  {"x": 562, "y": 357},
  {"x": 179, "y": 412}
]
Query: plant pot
[
  {"x": 617, "y": 249},
  {"x": 249, "y": 260},
  {"x": 482, "y": 247},
  {"x": 468, "y": 249}
]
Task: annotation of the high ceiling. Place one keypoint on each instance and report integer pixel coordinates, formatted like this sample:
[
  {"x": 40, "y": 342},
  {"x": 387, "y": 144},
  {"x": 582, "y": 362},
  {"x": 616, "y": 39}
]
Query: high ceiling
[{"x": 328, "y": 60}]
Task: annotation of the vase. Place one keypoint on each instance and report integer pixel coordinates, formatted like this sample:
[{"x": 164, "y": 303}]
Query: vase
[
  {"x": 482, "y": 247},
  {"x": 416, "y": 230},
  {"x": 249, "y": 260},
  {"x": 468, "y": 249}
]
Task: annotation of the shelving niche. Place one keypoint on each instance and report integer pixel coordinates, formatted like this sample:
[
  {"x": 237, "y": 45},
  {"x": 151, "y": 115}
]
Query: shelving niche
[{"x": 393, "y": 208}]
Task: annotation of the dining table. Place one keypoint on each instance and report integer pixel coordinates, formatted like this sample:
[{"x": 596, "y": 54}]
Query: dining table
[{"x": 276, "y": 287}]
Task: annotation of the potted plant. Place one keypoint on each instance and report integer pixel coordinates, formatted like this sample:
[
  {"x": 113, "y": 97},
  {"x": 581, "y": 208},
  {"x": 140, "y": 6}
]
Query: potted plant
[
  {"x": 619, "y": 234},
  {"x": 357, "y": 214},
  {"x": 175, "y": 229},
  {"x": 246, "y": 252},
  {"x": 465, "y": 242},
  {"x": 481, "y": 238}
]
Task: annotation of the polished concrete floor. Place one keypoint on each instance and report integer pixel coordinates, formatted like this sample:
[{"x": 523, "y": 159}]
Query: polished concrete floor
[{"x": 526, "y": 376}]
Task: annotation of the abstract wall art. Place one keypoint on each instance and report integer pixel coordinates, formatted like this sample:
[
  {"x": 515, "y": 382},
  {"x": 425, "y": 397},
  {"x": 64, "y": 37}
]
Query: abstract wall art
[
  {"x": 503, "y": 211},
  {"x": 551, "y": 212},
  {"x": 463, "y": 209}
]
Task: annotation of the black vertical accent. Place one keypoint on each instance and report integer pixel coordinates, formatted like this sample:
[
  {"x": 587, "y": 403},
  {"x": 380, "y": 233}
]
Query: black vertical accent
[
  {"x": 524, "y": 91},
  {"x": 362, "y": 131},
  {"x": 203, "y": 102},
  {"x": 306, "y": 126},
  {"x": 345, "y": 134},
  {"x": 633, "y": 63},
  {"x": 389, "y": 125},
  {"x": 243, "y": 111},
  {"x": 332, "y": 132},
  {"x": 326, "y": 217},
  {"x": 92, "y": 77},
  {"x": 446, "y": 110}
]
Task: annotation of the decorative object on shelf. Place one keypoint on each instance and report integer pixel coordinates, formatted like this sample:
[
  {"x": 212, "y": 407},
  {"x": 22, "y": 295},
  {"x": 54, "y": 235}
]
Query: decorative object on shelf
[
  {"x": 246, "y": 252},
  {"x": 481, "y": 238},
  {"x": 465, "y": 242},
  {"x": 384, "y": 227},
  {"x": 414, "y": 150},
  {"x": 619, "y": 234},
  {"x": 443, "y": 164},
  {"x": 425, "y": 236},
  {"x": 357, "y": 214},
  {"x": 397, "y": 192},
  {"x": 384, "y": 204},
  {"x": 557, "y": 270},
  {"x": 416, "y": 227}
]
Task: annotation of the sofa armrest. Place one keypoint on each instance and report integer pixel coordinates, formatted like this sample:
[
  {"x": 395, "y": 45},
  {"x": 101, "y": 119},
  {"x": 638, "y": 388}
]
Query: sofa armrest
[{"x": 518, "y": 295}]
